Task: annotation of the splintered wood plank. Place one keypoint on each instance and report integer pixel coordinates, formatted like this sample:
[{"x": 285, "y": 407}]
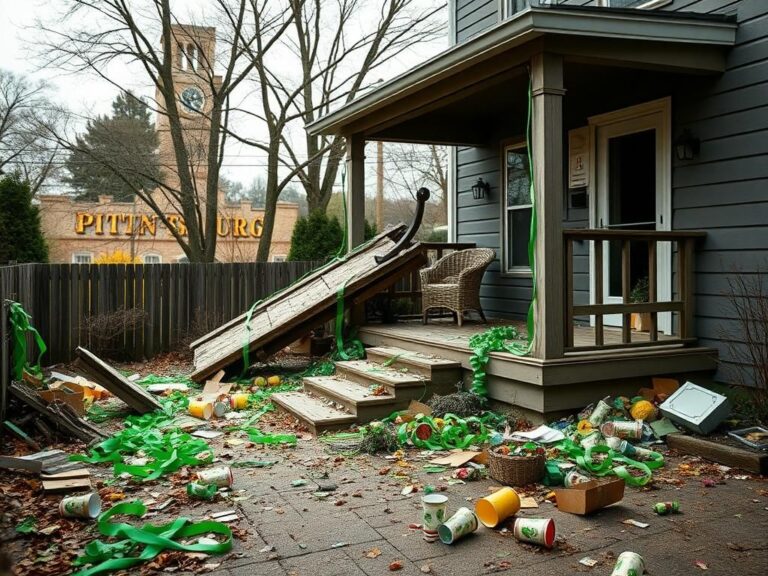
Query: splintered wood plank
[
  {"x": 346, "y": 391},
  {"x": 308, "y": 302}
]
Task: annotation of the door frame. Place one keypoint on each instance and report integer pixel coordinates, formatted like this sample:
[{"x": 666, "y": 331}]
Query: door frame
[{"x": 655, "y": 114}]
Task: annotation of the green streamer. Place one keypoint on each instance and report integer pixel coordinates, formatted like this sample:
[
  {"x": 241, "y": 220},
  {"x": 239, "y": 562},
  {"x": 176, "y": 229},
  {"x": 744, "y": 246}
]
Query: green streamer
[
  {"x": 584, "y": 458},
  {"x": 20, "y": 325},
  {"x": 148, "y": 540}
]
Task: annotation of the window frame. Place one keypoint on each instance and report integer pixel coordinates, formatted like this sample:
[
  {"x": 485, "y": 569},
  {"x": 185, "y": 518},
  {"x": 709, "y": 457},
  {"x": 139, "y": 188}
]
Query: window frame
[
  {"x": 152, "y": 255},
  {"x": 506, "y": 270},
  {"x": 279, "y": 258},
  {"x": 648, "y": 5},
  {"x": 75, "y": 255}
]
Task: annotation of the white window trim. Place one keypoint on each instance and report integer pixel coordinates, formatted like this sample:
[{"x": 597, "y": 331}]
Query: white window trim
[
  {"x": 649, "y": 5},
  {"x": 76, "y": 254},
  {"x": 182, "y": 259},
  {"x": 284, "y": 257},
  {"x": 517, "y": 271},
  {"x": 152, "y": 255}
]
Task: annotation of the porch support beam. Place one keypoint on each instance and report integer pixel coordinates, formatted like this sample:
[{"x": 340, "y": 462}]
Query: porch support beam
[
  {"x": 355, "y": 193},
  {"x": 547, "y": 149}
]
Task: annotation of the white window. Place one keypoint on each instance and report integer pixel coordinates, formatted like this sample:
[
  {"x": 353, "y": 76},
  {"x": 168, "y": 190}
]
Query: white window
[
  {"x": 512, "y": 7},
  {"x": 279, "y": 258},
  {"x": 644, "y": 4},
  {"x": 517, "y": 209},
  {"x": 82, "y": 258},
  {"x": 152, "y": 259}
]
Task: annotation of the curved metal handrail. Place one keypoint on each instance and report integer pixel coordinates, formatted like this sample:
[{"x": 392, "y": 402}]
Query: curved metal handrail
[{"x": 421, "y": 199}]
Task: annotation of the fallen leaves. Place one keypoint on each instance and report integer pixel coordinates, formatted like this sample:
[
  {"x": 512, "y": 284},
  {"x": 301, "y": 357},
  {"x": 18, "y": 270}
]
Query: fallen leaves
[
  {"x": 395, "y": 565},
  {"x": 372, "y": 553},
  {"x": 701, "y": 564}
]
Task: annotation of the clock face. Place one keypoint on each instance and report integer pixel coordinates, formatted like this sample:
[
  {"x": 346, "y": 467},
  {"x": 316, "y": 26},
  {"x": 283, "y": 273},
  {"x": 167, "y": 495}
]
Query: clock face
[{"x": 192, "y": 99}]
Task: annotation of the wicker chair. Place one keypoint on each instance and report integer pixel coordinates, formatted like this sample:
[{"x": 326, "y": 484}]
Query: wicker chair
[{"x": 453, "y": 282}]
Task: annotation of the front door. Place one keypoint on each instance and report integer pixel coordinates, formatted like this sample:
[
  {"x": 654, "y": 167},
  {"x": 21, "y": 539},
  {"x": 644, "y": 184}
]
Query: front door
[{"x": 633, "y": 184}]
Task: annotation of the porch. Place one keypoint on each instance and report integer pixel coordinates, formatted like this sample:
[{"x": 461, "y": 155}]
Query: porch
[{"x": 580, "y": 77}]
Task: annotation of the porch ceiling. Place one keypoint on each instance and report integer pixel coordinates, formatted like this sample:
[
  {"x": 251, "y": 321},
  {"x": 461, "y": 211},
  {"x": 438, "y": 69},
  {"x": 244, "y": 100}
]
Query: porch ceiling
[{"x": 456, "y": 97}]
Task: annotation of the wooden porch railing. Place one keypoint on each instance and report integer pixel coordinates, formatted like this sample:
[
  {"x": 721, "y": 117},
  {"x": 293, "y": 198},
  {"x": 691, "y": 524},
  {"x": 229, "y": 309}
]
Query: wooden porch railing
[{"x": 683, "y": 304}]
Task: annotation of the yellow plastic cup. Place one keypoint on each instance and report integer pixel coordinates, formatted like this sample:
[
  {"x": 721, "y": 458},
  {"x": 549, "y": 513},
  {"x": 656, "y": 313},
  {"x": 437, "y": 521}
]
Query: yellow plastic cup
[
  {"x": 494, "y": 509},
  {"x": 201, "y": 409}
]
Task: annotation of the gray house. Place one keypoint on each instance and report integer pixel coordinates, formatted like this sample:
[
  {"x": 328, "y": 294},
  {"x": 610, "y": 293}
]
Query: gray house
[{"x": 645, "y": 125}]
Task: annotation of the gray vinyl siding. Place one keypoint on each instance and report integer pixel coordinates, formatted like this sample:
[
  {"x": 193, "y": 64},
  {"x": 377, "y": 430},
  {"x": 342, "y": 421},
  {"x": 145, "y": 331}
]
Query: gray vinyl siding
[
  {"x": 474, "y": 16},
  {"x": 725, "y": 189}
]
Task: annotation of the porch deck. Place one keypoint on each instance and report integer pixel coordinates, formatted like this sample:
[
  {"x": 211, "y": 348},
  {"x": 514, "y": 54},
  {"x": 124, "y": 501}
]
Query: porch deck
[{"x": 546, "y": 387}]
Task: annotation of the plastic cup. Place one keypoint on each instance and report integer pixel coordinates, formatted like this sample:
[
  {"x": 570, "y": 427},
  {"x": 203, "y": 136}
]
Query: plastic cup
[
  {"x": 463, "y": 522},
  {"x": 629, "y": 564},
  {"x": 433, "y": 514},
  {"x": 575, "y": 477},
  {"x": 623, "y": 430},
  {"x": 592, "y": 439},
  {"x": 220, "y": 407},
  {"x": 494, "y": 509},
  {"x": 200, "y": 409},
  {"x": 221, "y": 477},
  {"x": 539, "y": 531},
  {"x": 239, "y": 401},
  {"x": 82, "y": 506}
]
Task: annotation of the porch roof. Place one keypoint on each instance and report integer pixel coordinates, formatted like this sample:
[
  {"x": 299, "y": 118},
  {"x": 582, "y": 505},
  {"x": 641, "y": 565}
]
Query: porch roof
[{"x": 656, "y": 40}]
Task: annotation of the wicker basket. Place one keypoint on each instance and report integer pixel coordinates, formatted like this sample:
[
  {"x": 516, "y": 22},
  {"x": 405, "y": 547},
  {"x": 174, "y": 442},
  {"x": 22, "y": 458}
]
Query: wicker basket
[{"x": 516, "y": 470}]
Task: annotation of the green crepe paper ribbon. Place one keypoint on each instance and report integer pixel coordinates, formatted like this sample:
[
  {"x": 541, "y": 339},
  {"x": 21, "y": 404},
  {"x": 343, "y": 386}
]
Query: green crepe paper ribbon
[
  {"x": 258, "y": 437},
  {"x": 353, "y": 349},
  {"x": 20, "y": 324},
  {"x": 167, "y": 451},
  {"x": 109, "y": 557},
  {"x": 456, "y": 432},
  {"x": 584, "y": 459}
]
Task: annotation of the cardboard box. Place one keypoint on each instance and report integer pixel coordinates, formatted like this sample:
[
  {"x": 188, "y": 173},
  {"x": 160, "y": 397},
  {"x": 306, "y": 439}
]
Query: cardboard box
[
  {"x": 696, "y": 408},
  {"x": 590, "y": 496}
]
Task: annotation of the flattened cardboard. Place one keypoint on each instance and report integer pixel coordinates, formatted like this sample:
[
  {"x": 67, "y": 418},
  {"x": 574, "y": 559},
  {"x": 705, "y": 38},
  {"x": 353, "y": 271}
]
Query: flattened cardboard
[
  {"x": 70, "y": 394},
  {"x": 456, "y": 459},
  {"x": 67, "y": 484},
  {"x": 590, "y": 496}
]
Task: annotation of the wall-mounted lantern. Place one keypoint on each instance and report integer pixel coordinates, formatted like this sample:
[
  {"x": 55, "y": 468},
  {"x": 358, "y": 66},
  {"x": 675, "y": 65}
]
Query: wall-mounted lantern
[
  {"x": 481, "y": 189},
  {"x": 687, "y": 146}
]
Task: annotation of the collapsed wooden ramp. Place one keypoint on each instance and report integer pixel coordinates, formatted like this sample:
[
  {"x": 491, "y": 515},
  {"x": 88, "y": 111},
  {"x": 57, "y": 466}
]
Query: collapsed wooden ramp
[{"x": 291, "y": 313}]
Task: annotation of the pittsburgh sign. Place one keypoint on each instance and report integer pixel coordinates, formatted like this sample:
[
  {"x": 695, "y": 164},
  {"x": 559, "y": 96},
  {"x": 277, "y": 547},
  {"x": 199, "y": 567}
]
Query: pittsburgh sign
[{"x": 142, "y": 225}]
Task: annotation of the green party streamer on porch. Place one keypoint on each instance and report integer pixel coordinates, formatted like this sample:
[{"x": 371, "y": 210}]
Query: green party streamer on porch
[
  {"x": 455, "y": 432},
  {"x": 497, "y": 339},
  {"x": 20, "y": 324},
  {"x": 148, "y": 540}
]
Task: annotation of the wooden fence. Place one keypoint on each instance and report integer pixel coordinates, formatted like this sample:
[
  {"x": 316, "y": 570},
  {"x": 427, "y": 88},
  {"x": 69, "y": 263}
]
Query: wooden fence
[{"x": 136, "y": 311}]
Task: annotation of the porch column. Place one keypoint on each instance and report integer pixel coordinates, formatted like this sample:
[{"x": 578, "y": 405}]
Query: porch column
[
  {"x": 355, "y": 190},
  {"x": 547, "y": 149}
]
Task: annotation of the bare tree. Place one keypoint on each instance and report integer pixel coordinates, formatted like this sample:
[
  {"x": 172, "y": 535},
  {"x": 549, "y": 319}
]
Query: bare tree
[
  {"x": 26, "y": 116},
  {"x": 94, "y": 34},
  {"x": 328, "y": 55}
]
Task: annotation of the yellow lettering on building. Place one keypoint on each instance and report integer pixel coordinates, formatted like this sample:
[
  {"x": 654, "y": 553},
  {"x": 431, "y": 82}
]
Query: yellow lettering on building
[
  {"x": 222, "y": 226},
  {"x": 112, "y": 220},
  {"x": 82, "y": 221},
  {"x": 148, "y": 224},
  {"x": 99, "y": 223},
  {"x": 239, "y": 226},
  {"x": 256, "y": 227},
  {"x": 128, "y": 218}
]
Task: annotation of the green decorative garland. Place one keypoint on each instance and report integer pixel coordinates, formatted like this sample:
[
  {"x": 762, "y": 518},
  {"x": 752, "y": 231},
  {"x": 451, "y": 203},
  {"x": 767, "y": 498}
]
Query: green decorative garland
[{"x": 498, "y": 339}]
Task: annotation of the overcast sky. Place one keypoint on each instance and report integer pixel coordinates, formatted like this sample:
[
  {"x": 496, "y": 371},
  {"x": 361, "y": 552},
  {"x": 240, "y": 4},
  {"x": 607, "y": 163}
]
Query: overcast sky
[{"x": 87, "y": 95}]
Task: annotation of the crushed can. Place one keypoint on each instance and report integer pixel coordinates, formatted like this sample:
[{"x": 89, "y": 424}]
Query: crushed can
[
  {"x": 575, "y": 477},
  {"x": 664, "y": 508},
  {"x": 221, "y": 477},
  {"x": 623, "y": 430},
  {"x": 629, "y": 564},
  {"x": 599, "y": 414}
]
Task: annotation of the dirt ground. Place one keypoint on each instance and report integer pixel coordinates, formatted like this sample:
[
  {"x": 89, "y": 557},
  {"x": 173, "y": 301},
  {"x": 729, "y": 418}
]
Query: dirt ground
[{"x": 368, "y": 526}]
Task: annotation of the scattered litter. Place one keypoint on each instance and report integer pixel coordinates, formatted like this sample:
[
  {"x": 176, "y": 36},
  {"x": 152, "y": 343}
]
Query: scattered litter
[
  {"x": 528, "y": 502},
  {"x": 267, "y": 549},
  {"x": 225, "y": 516},
  {"x": 664, "y": 508},
  {"x": 339, "y": 544},
  {"x": 207, "y": 434},
  {"x": 372, "y": 553},
  {"x": 395, "y": 565},
  {"x": 635, "y": 523},
  {"x": 701, "y": 564},
  {"x": 299, "y": 482},
  {"x": 543, "y": 434},
  {"x": 587, "y": 561}
]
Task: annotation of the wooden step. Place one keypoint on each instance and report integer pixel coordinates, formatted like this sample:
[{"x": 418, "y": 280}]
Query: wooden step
[
  {"x": 356, "y": 398},
  {"x": 367, "y": 373},
  {"x": 313, "y": 412},
  {"x": 440, "y": 371}
]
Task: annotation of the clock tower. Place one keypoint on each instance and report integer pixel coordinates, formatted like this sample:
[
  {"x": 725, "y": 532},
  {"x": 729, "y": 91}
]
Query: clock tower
[{"x": 193, "y": 53}]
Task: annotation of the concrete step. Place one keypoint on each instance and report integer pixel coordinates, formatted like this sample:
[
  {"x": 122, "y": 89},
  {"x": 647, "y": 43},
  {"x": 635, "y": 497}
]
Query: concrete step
[
  {"x": 317, "y": 415},
  {"x": 441, "y": 372},
  {"x": 369, "y": 373},
  {"x": 356, "y": 398}
]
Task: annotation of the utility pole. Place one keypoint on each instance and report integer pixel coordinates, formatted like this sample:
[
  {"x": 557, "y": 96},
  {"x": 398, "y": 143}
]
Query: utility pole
[{"x": 379, "y": 186}]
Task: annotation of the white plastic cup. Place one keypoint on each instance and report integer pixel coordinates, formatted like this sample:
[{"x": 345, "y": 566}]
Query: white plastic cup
[
  {"x": 599, "y": 414},
  {"x": 433, "y": 514},
  {"x": 629, "y": 564},
  {"x": 82, "y": 506},
  {"x": 463, "y": 522},
  {"x": 539, "y": 531}
]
